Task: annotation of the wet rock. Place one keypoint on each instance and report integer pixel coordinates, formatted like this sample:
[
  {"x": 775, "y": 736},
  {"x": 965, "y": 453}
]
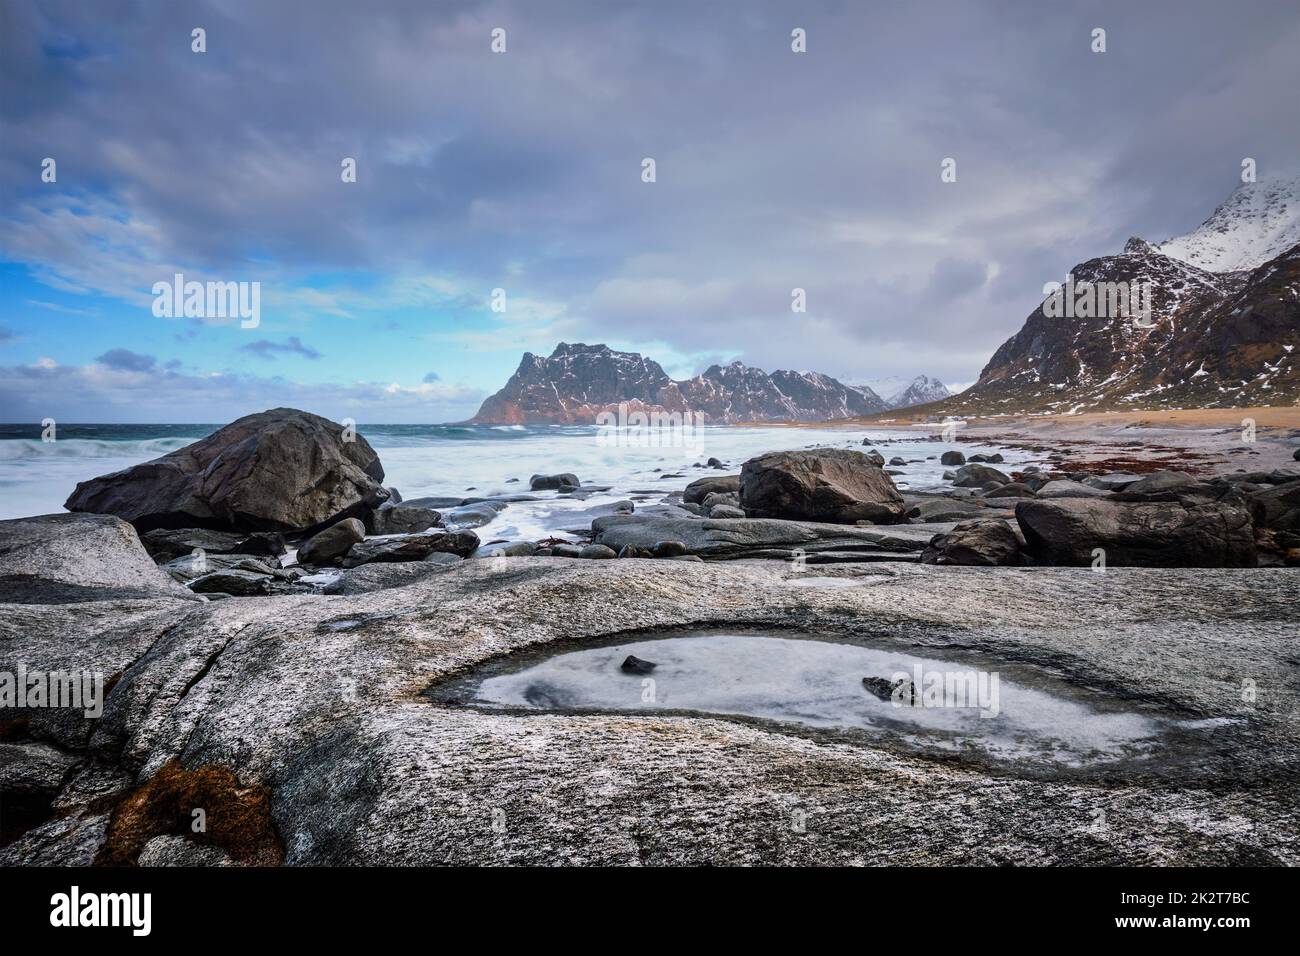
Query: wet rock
[
  {"x": 164, "y": 544},
  {"x": 1278, "y": 507},
  {"x": 1137, "y": 534},
  {"x": 233, "y": 582},
  {"x": 1115, "y": 481},
  {"x": 952, "y": 458},
  {"x": 1160, "y": 482},
  {"x": 279, "y": 470},
  {"x": 559, "y": 482},
  {"x": 989, "y": 543},
  {"x": 668, "y": 549},
  {"x": 598, "y": 551},
  {"x": 833, "y": 485},
  {"x": 1015, "y": 489},
  {"x": 474, "y": 515},
  {"x": 402, "y": 519},
  {"x": 760, "y": 537},
  {"x": 975, "y": 475},
  {"x": 726, "y": 511},
  {"x": 506, "y": 549},
  {"x": 411, "y": 547},
  {"x": 715, "y": 463},
  {"x": 701, "y": 488},
  {"x": 566, "y": 550},
  {"x": 896, "y": 461},
  {"x": 634, "y": 665},
  {"x": 875, "y": 457},
  {"x": 1064, "y": 488},
  {"x": 332, "y": 543},
  {"x": 889, "y": 691},
  {"x": 56, "y": 559},
  {"x": 1296, "y": 454}
]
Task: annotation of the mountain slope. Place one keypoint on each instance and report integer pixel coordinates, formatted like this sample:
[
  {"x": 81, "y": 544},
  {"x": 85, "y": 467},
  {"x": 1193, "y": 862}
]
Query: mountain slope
[
  {"x": 919, "y": 391},
  {"x": 1214, "y": 337},
  {"x": 577, "y": 382}
]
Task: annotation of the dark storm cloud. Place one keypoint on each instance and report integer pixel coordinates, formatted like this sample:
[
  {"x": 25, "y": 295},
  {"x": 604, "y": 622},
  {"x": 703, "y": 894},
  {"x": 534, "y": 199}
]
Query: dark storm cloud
[{"x": 775, "y": 170}]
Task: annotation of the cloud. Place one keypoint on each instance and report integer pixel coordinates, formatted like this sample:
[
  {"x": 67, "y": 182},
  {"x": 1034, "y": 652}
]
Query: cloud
[
  {"x": 265, "y": 348},
  {"x": 162, "y": 392},
  {"x": 523, "y": 171},
  {"x": 127, "y": 361}
]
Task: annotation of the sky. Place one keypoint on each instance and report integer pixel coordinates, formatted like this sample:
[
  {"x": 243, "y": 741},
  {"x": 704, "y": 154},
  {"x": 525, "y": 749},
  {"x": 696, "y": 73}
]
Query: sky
[{"x": 522, "y": 171}]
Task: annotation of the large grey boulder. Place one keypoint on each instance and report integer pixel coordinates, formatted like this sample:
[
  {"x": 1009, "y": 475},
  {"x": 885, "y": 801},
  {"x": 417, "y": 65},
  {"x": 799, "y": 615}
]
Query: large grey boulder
[
  {"x": 332, "y": 543},
  {"x": 952, "y": 458},
  {"x": 57, "y": 559},
  {"x": 562, "y": 482},
  {"x": 829, "y": 485},
  {"x": 277, "y": 470},
  {"x": 976, "y": 475},
  {"x": 1164, "y": 534},
  {"x": 986, "y": 543}
]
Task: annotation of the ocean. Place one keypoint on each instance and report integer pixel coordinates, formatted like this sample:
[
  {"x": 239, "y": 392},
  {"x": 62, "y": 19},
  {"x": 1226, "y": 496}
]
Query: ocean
[{"x": 37, "y": 476}]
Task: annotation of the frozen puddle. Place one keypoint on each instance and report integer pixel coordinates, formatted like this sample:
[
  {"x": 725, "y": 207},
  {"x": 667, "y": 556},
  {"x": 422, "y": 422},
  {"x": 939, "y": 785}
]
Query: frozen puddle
[{"x": 818, "y": 684}]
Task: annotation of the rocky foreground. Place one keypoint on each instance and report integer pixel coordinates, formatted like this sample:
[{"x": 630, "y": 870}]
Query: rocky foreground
[
  {"x": 275, "y": 631},
  {"x": 302, "y": 728}
]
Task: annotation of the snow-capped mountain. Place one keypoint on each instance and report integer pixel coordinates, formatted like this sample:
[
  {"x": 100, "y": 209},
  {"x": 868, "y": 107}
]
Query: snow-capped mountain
[
  {"x": 919, "y": 391},
  {"x": 901, "y": 392},
  {"x": 577, "y": 382},
  {"x": 1217, "y": 337},
  {"x": 1258, "y": 222}
]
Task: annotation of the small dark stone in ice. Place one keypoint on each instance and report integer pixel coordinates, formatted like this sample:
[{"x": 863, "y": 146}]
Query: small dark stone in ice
[
  {"x": 634, "y": 665},
  {"x": 885, "y": 689}
]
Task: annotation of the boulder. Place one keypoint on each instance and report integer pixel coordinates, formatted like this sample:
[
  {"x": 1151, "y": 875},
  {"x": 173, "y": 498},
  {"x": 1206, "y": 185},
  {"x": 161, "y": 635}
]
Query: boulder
[
  {"x": 1064, "y": 488},
  {"x": 1115, "y": 481},
  {"x": 1277, "y": 507},
  {"x": 701, "y": 488},
  {"x": 1160, "y": 482},
  {"x": 726, "y": 511},
  {"x": 553, "y": 482},
  {"x": 1138, "y": 534},
  {"x": 473, "y": 515},
  {"x": 411, "y": 547},
  {"x": 1015, "y": 489},
  {"x": 164, "y": 544},
  {"x": 332, "y": 543},
  {"x": 233, "y": 581},
  {"x": 761, "y": 537},
  {"x": 69, "y": 558},
  {"x": 952, "y": 458},
  {"x": 875, "y": 457},
  {"x": 830, "y": 485},
  {"x": 279, "y": 470},
  {"x": 402, "y": 519},
  {"x": 599, "y": 551},
  {"x": 988, "y": 543},
  {"x": 188, "y": 567},
  {"x": 975, "y": 475}
]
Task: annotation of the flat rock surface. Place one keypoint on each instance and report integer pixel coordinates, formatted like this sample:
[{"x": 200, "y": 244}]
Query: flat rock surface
[{"x": 319, "y": 703}]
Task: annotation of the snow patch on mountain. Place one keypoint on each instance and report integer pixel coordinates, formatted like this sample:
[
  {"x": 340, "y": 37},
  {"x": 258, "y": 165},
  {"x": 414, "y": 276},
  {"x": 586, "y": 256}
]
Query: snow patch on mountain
[{"x": 1258, "y": 222}]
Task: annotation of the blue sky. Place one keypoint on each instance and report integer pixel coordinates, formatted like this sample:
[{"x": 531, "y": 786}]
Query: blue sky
[{"x": 522, "y": 171}]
